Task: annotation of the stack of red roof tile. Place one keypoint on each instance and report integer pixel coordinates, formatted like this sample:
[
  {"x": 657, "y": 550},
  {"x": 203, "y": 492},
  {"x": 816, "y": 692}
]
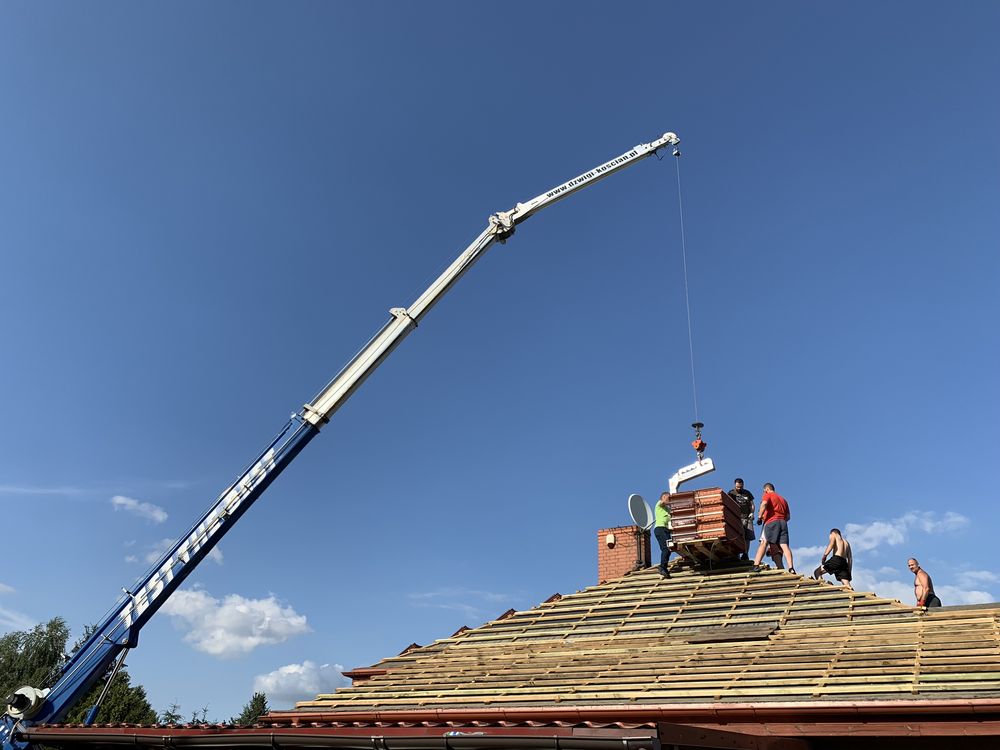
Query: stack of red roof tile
[{"x": 706, "y": 525}]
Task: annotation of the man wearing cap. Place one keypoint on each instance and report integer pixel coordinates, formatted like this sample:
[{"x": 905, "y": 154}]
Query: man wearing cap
[{"x": 744, "y": 499}]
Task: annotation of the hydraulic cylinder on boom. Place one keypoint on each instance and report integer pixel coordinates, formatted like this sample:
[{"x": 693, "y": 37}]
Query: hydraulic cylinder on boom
[{"x": 103, "y": 653}]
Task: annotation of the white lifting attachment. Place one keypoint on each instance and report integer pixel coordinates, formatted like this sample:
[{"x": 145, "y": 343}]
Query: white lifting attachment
[{"x": 699, "y": 468}]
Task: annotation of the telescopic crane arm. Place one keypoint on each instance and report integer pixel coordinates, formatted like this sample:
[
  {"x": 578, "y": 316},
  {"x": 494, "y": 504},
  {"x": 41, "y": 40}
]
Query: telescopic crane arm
[
  {"x": 501, "y": 226},
  {"x": 105, "y": 650}
]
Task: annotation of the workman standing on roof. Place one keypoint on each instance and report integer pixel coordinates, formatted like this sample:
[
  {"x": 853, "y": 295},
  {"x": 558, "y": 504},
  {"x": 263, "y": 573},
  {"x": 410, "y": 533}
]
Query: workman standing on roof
[
  {"x": 841, "y": 561},
  {"x": 923, "y": 587},
  {"x": 744, "y": 500},
  {"x": 661, "y": 530},
  {"x": 774, "y": 552},
  {"x": 774, "y": 514}
]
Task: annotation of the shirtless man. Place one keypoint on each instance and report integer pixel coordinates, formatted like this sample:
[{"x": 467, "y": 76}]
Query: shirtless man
[
  {"x": 923, "y": 587},
  {"x": 841, "y": 560}
]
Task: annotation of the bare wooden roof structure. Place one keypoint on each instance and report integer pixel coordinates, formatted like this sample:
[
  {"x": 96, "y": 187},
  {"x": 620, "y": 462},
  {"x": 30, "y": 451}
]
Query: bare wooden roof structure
[
  {"x": 705, "y": 659},
  {"x": 697, "y": 637}
]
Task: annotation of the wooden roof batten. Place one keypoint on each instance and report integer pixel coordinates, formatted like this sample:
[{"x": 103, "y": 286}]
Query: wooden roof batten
[{"x": 693, "y": 646}]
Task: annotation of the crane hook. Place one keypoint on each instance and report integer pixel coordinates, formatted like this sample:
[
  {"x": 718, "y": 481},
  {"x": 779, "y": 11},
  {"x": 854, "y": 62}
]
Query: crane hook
[{"x": 698, "y": 444}]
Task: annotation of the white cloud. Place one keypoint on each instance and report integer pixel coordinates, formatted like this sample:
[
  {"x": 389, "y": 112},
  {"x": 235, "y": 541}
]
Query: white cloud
[
  {"x": 11, "y": 620},
  {"x": 452, "y": 592},
  {"x": 160, "y": 548},
  {"x": 12, "y": 489},
  {"x": 157, "y": 550},
  {"x": 869, "y": 536},
  {"x": 949, "y": 594},
  {"x": 865, "y": 537},
  {"x": 151, "y": 512},
  {"x": 472, "y": 603},
  {"x": 888, "y": 588},
  {"x": 970, "y": 578},
  {"x": 233, "y": 626},
  {"x": 895, "y": 582},
  {"x": 65, "y": 490},
  {"x": 885, "y": 582},
  {"x": 807, "y": 552},
  {"x": 295, "y": 682},
  {"x": 961, "y": 595},
  {"x": 951, "y": 521}
]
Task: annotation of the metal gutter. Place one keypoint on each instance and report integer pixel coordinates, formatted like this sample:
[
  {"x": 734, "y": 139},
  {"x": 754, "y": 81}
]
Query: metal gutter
[
  {"x": 683, "y": 713},
  {"x": 163, "y": 737}
]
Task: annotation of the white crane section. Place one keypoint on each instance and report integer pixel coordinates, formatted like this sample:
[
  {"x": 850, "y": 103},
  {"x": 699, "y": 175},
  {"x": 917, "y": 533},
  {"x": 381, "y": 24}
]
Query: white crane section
[
  {"x": 699, "y": 468},
  {"x": 501, "y": 225}
]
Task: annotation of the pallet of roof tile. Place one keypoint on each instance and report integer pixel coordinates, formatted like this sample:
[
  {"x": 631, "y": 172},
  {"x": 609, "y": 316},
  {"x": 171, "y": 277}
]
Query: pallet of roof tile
[
  {"x": 706, "y": 519},
  {"x": 695, "y": 498},
  {"x": 708, "y": 550},
  {"x": 708, "y": 523},
  {"x": 709, "y": 532},
  {"x": 711, "y": 516}
]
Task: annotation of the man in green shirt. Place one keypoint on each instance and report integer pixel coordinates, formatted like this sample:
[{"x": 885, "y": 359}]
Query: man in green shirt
[{"x": 661, "y": 530}]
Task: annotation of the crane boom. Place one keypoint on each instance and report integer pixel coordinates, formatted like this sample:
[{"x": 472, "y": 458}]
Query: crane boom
[
  {"x": 501, "y": 225},
  {"x": 106, "y": 647}
]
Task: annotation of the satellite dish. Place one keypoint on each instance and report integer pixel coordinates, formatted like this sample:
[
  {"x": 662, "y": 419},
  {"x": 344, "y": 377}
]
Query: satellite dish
[{"x": 640, "y": 511}]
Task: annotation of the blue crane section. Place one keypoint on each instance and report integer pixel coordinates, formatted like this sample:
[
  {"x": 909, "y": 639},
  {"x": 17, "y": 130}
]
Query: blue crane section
[{"x": 103, "y": 653}]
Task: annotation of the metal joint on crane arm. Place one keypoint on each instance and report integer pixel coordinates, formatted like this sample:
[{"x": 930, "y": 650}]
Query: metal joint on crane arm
[
  {"x": 313, "y": 416},
  {"x": 25, "y": 702},
  {"x": 502, "y": 224},
  {"x": 401, "y": 312},
  {"x": 667, "y": 139}
]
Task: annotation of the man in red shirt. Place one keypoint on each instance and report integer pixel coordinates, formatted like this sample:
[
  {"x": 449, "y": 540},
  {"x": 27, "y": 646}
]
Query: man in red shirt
[{"x": 774, "y": 514}]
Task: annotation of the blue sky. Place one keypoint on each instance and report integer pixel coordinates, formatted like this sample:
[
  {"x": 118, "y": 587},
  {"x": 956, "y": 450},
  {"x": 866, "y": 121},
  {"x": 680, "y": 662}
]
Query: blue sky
[{"x": 206, "y": 210}]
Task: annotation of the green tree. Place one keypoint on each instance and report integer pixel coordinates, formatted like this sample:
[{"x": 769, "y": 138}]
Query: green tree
[
  {"x": 253, "y": 710},
  {"x": 33, "y": 657},
  {"x": 125, "y": 703},
  {"x": 172, "y": 715}
]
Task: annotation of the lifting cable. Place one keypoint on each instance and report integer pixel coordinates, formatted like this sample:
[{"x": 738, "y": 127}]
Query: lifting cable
[{"x": 687, "y": 296}]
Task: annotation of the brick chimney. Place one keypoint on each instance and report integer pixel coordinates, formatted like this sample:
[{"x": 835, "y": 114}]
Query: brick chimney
[{"x": 616, "y": 551}]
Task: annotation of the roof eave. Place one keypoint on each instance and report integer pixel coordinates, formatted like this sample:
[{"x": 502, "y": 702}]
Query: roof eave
[{"x": 681, "y": 712}]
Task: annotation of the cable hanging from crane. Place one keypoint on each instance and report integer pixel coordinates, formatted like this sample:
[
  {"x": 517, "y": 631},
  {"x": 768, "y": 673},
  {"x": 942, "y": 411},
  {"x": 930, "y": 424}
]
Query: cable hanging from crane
[{"x": 687, "y": 295}]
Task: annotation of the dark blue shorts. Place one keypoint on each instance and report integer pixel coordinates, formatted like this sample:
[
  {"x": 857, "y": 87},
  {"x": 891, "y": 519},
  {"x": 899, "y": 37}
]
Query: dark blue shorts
[{"x": 776, "y": 532}]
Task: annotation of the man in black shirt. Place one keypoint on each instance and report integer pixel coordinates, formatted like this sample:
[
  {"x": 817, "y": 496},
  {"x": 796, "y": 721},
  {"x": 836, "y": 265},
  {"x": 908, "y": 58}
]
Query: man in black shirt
[{"x": 744, "y": 499}]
